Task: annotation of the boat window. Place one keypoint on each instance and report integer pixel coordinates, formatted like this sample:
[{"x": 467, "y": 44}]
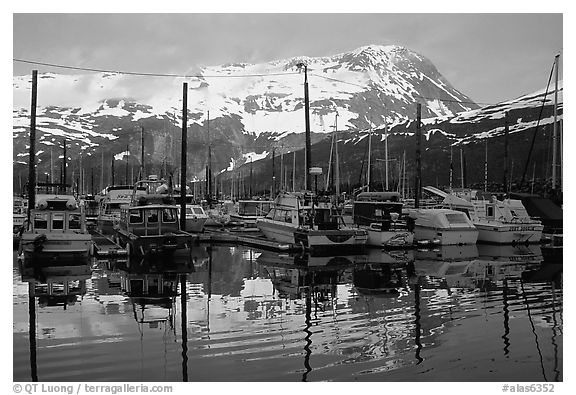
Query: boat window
[
  {"x": 189, "y": 210},
  {"x": 198, "y": 210},
  {"x": 489, "y": 211},
  {"x": 136, "y": 217},
  {"x": 459, "y": 218},
  {"x": 73, "y": 221},
  {"x": 41, "y": 221},
  {"x": 57, "y": 221},
  {"x": 152, "y": 216},
  {"x": 168, "y": 215}
]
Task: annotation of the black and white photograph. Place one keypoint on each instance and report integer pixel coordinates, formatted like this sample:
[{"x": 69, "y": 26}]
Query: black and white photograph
[{"x": 303, "y": 194}]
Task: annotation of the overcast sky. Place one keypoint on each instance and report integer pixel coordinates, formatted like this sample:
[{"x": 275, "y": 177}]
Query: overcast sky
[{"x": 489, "y": 57}]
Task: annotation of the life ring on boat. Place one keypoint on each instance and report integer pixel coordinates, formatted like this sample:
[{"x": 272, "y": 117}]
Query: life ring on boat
[{"x": 42, "y": 205}]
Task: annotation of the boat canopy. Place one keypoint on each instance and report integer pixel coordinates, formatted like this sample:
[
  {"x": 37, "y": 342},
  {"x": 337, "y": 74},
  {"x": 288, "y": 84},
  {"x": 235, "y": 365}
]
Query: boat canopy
[{"x": 441, "y": 218}]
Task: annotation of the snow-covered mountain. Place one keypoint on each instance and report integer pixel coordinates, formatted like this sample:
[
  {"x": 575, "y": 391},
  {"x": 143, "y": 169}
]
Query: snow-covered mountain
[{"x": 243, "y": 110}]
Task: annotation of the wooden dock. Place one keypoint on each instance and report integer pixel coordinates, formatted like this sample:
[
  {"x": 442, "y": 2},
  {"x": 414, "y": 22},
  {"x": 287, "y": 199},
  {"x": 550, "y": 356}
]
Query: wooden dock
[
  {"x": 252, "y": 239},
  {"x": 104, "y": 246}
]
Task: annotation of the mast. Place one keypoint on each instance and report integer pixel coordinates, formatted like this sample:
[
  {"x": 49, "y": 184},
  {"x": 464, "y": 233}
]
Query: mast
[
  {"x": 369, "y": 157},
  {"x": 555, "y": 129},
  {"x": 294, "y": 171},
  {"x": 336, "y": 158},
  {"x": 461, "y": 168},
  {"x": 386, "y": 149},
  {"x": 486, "y": 168},
  {"x": 451, "y": 168}
]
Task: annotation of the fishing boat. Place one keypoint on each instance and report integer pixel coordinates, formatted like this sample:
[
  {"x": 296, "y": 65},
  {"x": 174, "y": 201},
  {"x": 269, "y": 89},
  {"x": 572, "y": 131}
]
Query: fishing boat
[
  {"x": 56, "y": 232},
  {"x": 380, "y": 214},
  {"x": 300, "y": 218},
  {"x": 149, "y": 224},
  {"x": 115, "y": 197},
  {"x": 249, "y": 211},
  {"x": 498, "y": 222},
  {"x": 443, "y": 226},
  {"x": 196, "y": 217}
]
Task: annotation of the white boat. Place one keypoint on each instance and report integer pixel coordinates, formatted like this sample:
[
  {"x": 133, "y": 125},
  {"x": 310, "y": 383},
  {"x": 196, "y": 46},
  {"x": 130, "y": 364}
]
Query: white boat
[
  {"x": 57, "y": 232},
  {"x": 249, "y": 211},
  {"x": 295, "y": 219},
  {"x": 498, "y": 222},
  {"x": 443, "y": 226},
  {"x": 116, "y": 196},
  {"x": 380, "y": 214},
  {"x": 196, "y": 217}
]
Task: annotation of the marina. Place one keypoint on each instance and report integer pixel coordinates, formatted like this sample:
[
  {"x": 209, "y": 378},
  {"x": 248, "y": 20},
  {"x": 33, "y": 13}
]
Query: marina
[{"x": 289, "y": 220}]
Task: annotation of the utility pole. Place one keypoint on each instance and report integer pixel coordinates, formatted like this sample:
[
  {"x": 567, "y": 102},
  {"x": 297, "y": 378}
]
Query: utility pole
[
  {"x": 32, "y": 148},
  {"x": 142, "y": 175},
  {"x": 506, "y": 152},
  {"x": 183, "y": 156},
  {"x": 307, "y": 179},
  {"x": 418, "y": 181}
]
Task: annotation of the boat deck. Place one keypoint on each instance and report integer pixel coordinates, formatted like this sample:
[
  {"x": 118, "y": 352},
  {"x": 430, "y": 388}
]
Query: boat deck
[
  {"x": 253, "y": 239},
  {"x": 104, "y": 246}
]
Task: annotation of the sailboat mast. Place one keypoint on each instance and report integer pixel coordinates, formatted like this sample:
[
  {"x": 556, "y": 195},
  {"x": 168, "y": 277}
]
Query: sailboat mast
[
  {"x": 369, "y": 157},
  {"x": 386, "y": 149},
  {"x": 555, "y": 128},
  {"x": 336, "y": 159},
  {"x": 451, "y": 168},
  {"x": 486, "y": 167}
]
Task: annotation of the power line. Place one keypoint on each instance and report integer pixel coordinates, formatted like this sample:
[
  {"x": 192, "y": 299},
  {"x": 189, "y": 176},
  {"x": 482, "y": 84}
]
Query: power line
[{"x": 148, "y": 74}]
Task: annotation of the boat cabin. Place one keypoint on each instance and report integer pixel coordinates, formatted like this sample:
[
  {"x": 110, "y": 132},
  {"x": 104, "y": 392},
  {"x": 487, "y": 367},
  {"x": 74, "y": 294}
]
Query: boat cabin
[
  {"x": 58, "y": 214},
  {"x": 253, "y": 207},
  {"x": 377, "y": 207}
]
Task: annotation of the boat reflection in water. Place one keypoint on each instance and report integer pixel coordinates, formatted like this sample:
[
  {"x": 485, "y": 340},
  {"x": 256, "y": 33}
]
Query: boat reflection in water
[{"x": 232, "y": 313}]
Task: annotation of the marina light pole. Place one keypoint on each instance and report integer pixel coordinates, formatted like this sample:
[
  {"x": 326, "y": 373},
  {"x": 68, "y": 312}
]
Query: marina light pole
[{"x": 308, "y": 150}]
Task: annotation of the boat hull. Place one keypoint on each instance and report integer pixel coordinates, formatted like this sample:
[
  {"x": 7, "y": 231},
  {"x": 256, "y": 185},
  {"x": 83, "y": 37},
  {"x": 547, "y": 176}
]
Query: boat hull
[
  {"x": 316, "y": 241},
  {"x": 277, "y": 231},
  {"x": 389, "y": 239},
  {"x": 56, "y": 248},
  {"x": 195, "y": 225},
  {"x": 138, "y": 245},
  {"x": 509, "y": 233},
  {"x": 446, "y": 236}
]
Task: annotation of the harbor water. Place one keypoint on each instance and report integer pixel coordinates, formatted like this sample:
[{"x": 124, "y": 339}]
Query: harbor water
[{"x": 233, "y": 313}]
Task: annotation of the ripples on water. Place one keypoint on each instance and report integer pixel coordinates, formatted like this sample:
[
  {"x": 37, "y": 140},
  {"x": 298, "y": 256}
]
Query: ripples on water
[{"x": 238, "y": 314}]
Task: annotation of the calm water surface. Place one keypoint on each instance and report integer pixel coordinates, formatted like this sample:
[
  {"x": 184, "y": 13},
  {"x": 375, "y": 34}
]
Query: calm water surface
[{"x": 238, "y": 314}]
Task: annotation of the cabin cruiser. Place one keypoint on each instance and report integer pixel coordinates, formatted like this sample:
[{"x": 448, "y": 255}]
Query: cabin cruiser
[
  {"x": 196, "y": 217},
  {"x": 498, "y": 222},
  {"x": 380, "y": 214},
  {"x": 300, "y": 218},
  {"x": 249, "y": 211},
  {"x": 56, "y": 231},
  {"x": 149, "y": 224},
  {"x": 443, "y": 226}
]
